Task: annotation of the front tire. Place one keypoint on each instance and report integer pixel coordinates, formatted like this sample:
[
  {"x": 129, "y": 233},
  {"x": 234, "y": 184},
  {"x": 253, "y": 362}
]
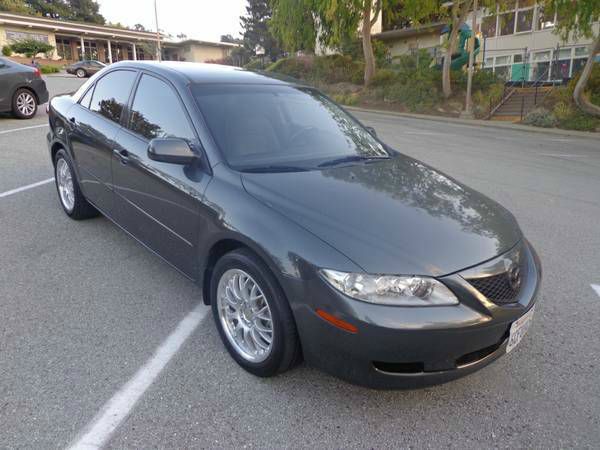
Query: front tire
[
  {"x": 24, "y": 104},
  {"x": 69, "y": 194},
  {"x": 252, "y": 315},
  {"x": 80, "y": 73}
]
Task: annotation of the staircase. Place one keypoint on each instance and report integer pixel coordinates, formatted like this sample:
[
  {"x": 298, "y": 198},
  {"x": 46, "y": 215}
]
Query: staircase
[{"x": 519, "y": 102}]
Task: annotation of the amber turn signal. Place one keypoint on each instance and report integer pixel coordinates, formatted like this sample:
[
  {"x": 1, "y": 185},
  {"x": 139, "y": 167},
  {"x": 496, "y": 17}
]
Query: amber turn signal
[{"x": 339, "y": 323}]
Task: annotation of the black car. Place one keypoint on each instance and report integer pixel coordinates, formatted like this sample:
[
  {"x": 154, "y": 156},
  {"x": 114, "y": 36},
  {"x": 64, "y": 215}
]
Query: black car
[
  {"x": 309, "y": 236},
  {"x": 86, "y": 68},
  {"x": 22, "y": 89}
]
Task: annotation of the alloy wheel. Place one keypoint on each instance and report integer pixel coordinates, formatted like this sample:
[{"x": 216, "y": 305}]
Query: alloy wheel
[
  {"x": 64, "y": 181},
  {"x": 26, "y": 104},
  {"x": 245, "y": 315}
]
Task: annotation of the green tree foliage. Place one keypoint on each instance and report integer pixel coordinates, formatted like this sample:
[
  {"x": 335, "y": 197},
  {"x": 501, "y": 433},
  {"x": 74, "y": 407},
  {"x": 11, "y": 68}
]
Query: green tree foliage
[
  {"x": 576, "y": 20},
  {"x": 256, "y": 32},
  {"x": 85, "y": 11},
  {"x": 81, "y": 10},
  {"x": 15, "y": 6},
  {"x": 31, "y": 47}
]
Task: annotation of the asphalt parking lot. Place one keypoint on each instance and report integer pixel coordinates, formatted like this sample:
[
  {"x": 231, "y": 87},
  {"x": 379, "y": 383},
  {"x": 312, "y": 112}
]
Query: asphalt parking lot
[{"x": 83, "y": 307}]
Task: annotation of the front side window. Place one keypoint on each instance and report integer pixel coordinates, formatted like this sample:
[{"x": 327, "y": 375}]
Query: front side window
[
  {"x": 274, "y": 127},
  {"x": 112, "y": 93},
  {"x": 157, "y": 113}
]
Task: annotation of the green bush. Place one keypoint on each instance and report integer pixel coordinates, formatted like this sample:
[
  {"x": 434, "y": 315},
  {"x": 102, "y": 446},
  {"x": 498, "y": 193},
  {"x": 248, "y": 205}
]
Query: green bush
[
  {"x": 255, "y": 64},
  {"x": 353, "y": 49},
  {"x": 540, "y": 117},
  {"x": 418, "y": 93},
  {"x": 593, "y": 85},
  {"x": 579, "y": 121},
  {"x": 384, "y": 77},
  {"x": 31, "y": 47},
  {"x": 320, "y": 69},
  {"x": 49, "y": 69},
  {"x": 7, "y": 51}
]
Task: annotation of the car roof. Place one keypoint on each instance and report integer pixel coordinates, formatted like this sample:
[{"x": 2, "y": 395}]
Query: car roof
[{"x": 199, "y": 73}]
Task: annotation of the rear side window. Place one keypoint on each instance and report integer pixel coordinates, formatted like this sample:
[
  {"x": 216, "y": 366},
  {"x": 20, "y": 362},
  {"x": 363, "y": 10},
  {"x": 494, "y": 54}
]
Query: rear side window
[
  {"x": 111, "y": 94},
  {"x": 157, "y": 113}
]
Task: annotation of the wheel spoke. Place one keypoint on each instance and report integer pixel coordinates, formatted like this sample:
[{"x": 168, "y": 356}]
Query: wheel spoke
[{"x": 245, "y": 315}]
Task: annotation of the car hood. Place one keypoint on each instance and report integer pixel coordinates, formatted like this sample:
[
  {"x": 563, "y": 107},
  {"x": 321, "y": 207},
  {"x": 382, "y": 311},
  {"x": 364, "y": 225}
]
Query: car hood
[{"x": 395, "y": 216}]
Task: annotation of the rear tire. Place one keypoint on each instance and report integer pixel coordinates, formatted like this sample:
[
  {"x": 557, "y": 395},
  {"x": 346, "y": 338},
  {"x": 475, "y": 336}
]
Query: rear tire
[
  {"x": 283, "y": 352},
  {"x": 69, "y": 194},
  {"x": 24, "y": 104}
]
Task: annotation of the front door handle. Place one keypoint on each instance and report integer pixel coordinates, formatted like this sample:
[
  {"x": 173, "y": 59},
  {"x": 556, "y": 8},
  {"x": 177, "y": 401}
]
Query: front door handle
[{"x": 122, "y": 155}]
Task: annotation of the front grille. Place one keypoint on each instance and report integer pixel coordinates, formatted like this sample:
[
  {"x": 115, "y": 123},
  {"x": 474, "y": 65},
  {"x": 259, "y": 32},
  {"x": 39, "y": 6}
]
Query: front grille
[{"x": 497, "y": 288}]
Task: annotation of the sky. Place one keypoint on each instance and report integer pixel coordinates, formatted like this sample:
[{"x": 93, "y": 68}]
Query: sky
[{"x": 200, "y": 19}]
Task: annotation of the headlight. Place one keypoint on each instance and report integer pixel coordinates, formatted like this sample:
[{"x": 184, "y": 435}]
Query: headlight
[{"x": 391, "y": 289}]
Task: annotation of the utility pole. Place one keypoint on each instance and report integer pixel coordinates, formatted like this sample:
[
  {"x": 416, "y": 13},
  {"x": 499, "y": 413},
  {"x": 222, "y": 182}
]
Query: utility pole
[
  {"x": 468, "y": 112},
  {"x": 158, "y": 49}
]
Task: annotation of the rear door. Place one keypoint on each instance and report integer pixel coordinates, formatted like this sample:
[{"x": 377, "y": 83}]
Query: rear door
[
  {"x": 95, "y": 122},
  {"x": 159, "y": 202}
]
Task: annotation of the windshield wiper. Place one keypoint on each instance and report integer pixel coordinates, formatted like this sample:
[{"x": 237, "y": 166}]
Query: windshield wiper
[
  {"x": 349, "y": 159},
  {"x": 267, "y": 169}
]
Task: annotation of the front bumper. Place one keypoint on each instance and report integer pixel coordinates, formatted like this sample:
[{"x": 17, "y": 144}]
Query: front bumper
[{"x": 408, "y": 347}]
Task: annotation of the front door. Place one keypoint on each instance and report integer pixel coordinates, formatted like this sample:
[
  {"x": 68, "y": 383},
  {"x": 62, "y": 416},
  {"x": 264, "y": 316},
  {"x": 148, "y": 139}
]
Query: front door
[
  {"x": 520, "y": 72},
  {"x": 158, "y": 202},
  {"x": 96, "y": 122}
]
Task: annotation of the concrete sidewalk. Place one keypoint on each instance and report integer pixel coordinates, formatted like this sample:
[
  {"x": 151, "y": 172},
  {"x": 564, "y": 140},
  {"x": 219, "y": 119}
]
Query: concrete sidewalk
[{"x": 482, "y": 123}]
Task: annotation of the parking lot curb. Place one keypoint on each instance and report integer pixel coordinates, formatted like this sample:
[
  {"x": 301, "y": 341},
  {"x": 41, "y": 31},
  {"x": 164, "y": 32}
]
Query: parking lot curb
[{"x": 481, "y": 123}]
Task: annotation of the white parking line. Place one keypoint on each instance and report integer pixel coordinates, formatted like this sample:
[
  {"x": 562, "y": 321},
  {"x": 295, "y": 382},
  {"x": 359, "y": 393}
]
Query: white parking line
[
  {"x": 24, "y": 188},
  {"x": 596, "y": 287},
  {"x": 24, "y": 128},
  {"x": 116, "y": 410}
]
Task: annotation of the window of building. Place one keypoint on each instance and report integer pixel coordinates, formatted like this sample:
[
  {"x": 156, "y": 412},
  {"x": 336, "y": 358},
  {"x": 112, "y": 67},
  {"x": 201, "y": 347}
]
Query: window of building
[
  {"x": 506, "y": 23},
  {"x": 524, "y": 20},
  {"x": 14, "y": 36},
  {"x": 580, "y": 56},
  {"x": 64, "y": 49},
  {"x": 157, "y": 112},
  {"x": 488, "y": 26},
  {"x": 111, "y": 94}
]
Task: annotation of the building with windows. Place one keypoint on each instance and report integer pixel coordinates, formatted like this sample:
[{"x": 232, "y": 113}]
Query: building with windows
[
  {"x": 73, "y": 41},
  {"x": 518, "y": 43}
]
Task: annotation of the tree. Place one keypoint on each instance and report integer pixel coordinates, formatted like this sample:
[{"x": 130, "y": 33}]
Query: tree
[
  {"x": 56, "y": 9},
  {"x": 14, "y": 6},
  {"x": 85, "y": 11},
  {"x": 576, "y": 20},
  {"x": 139, "y": 27},
  {"x": 256, "y": 32},
  {"x": 182, "y": 36},
  {"x": 230, "y": 39},
  {"x": 31, "y": 47}
]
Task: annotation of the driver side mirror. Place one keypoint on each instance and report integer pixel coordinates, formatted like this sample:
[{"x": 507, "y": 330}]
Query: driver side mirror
[
  {"x": 371, "y": 131},
  {"x": 171, "y": 150}
]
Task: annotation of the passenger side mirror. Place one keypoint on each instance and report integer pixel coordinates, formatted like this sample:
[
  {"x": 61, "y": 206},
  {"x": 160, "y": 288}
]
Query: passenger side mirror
[
  {"x": 371, "y": 131},
  {"x": 171, "y": 150}
]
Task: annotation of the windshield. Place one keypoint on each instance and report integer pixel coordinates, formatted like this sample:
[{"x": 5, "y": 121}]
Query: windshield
[{"x": 285, "y": 128}]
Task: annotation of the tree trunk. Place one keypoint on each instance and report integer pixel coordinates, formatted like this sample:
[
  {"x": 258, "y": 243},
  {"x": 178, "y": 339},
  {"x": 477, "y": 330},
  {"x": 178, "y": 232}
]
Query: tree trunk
[
  {"x": 579, "y": 93},
  {"x": 366, "y": 42},
  {"x": 459, "y": 15}
]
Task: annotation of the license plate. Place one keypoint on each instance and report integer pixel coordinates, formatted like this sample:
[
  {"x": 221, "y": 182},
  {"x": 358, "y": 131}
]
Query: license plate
[{"x": 518, "y": 329}]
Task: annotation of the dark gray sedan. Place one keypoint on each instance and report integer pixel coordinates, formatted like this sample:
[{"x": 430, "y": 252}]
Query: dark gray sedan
[
  {"x": 309, "y": 236},
  {"x": 86, "y": 68},
  {"x": 22, "y": 89}
]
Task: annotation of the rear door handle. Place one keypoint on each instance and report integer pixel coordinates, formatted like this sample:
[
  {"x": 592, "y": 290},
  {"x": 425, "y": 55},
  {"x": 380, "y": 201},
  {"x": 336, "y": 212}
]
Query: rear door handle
[{"x": 122, "y": 155}]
